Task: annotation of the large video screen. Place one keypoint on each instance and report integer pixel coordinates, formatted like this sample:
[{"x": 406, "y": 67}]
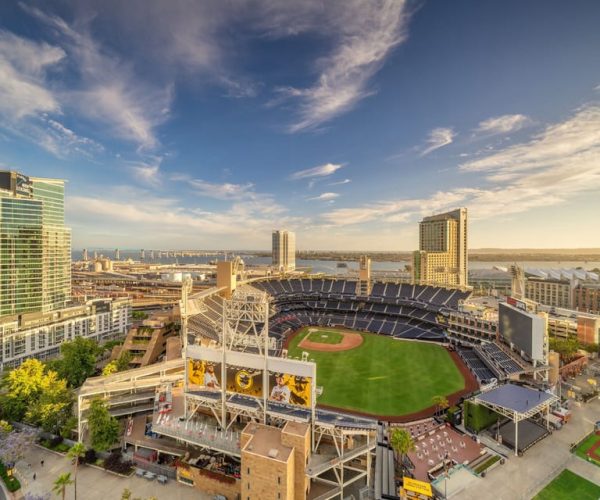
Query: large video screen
[
  {"x": 204, "y": 375},
  {"x": 290, "y": 389},
  {"x": 246, "y": 381},
  {"x": 522, "y": 329}
]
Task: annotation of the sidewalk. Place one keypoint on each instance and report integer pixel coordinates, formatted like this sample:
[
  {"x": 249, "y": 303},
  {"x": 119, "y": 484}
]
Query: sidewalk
[
  {"x": 94, "y": 484},
  {"x": 523, "y": 477}
]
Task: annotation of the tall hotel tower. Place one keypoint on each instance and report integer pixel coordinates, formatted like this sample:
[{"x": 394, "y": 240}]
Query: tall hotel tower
[
  {"x": 284, "y": 250},
  {"x": 442, "y": 255},
  {"x": 35, "y": 245}
]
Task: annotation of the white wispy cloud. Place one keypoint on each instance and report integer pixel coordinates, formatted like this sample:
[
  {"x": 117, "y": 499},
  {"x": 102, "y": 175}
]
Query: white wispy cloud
[
  {"x": 438, "y": 138},
  {"x": 553, "y": 167},
  {"x": 161, "y": 219},
  {"x": 147, "y": 172},
  {"x": 29, "y": 108},
  {"x": 339, "y": 183},
  {"x": 503, "y": 124},
  {"x": 222, "y": 191},
  {"x": 109, "y": 91},
  {"x": 320, "y": 171},
  {"x": 365, "y": 32},
  {"x": 23, "y": 67},
  {"x": 325, "y": 197}
]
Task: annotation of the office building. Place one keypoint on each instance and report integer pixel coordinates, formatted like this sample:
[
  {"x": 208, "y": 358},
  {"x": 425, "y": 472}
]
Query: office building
[
  {"x": 284, "y": 250},
  {"x": 36, "y": 311},
  {"x": 586, "y": 297},
  {"x": 35, "y": 245},
  {"x": 39, "y": 334},
  {"x": 442, "y": 255},
  {"x": 551, "y": 292}
]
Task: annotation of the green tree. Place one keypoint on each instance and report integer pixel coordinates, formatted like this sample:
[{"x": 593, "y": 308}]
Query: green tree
[
  {"x": 21, "y": 386},
  {"x": 402, "y": 443},
  {"x": 60, "y": 485},
  {"x": 68, "y": 427},
  {"x": 567, "y": 348},
  {"x": 110, "y": 368},
  {"x": 79, "y": 360},
  {"x": 123, "y": 361},
  {"x": 118, "y": 365},
  {"x": 37, "y": 395},
  {"x": 52, "y": 407},
  {"x": 104, "y": 428},
  {"x": 76, "y": 452},
  {"x": 441, "y": 403}
]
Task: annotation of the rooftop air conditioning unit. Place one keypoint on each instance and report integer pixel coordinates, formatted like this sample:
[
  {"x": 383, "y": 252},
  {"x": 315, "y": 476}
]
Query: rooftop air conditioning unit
[{"x": 273, "y": 452}]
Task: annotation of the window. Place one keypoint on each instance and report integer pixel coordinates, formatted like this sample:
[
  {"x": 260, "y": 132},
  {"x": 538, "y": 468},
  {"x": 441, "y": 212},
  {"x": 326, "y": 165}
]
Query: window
[
  {"x": 248, "y": 470},
  {"x": 248, "y": 485},
  {"x": 278, "y": 479}
]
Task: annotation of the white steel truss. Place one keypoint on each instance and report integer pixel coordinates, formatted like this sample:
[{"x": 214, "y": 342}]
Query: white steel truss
[{"x": 246, "y": 320}]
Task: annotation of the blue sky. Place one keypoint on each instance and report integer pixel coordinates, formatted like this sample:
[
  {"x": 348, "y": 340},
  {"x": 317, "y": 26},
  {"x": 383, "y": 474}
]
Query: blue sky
[{"x": 183, "y": 124}]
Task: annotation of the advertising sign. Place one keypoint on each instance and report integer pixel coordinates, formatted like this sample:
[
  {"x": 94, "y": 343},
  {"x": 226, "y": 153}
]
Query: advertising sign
[
  {"x": 516, "y": 303},
  {"x": 23, "y": 185},
  {"x": 290, "y": 389},
  {"x": 204, "y": 375},
  {"x": 246, "y": 381},
  {"x": 419, "y": 487}
]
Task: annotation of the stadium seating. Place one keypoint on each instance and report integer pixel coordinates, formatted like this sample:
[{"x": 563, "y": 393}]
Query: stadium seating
[
  {"x": 476, "y": 365},
  {"x": 500, "y": 358},
  {"x": 401, "y": 311}
]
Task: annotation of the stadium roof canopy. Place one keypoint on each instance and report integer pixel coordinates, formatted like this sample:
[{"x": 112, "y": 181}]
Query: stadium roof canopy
[{"x": 516, "y": 402}]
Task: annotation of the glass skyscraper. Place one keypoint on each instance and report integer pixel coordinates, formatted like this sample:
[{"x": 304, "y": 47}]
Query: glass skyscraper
[{"x": 35, "y": 245}]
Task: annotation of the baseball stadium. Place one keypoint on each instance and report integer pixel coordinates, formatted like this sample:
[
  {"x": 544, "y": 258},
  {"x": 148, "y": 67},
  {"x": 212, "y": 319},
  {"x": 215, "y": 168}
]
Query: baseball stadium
[
  {"x": 301, "y": 377},
  {"x": 380, "y": 355}
]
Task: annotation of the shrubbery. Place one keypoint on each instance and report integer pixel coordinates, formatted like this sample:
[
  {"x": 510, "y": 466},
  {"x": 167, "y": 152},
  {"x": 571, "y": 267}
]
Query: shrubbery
[
  {"x": 55, "y": 441},
  {"x": 90, "y": 456},
  {"x": 115, "y": 463},
  {"x": 12, "y": 483}
]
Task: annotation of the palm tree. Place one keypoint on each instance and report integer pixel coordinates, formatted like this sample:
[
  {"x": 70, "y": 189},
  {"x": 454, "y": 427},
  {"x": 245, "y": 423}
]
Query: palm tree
[
  {"x": 76, "y": 452},
  {"x": 402, "y": 443},
  {"x": 60, "y": 485},
  {"x": 440, "y": 402}
]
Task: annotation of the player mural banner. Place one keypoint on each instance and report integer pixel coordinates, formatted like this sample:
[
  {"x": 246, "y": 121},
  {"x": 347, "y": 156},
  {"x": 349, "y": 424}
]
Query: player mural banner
[
  {"x": 290, "y": 389},
  {"x": 204, "y": 375},
  {"x": 247, "y": 381}
]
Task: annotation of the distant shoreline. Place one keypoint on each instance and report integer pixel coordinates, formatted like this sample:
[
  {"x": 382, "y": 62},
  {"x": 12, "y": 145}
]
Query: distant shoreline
[
  {"x": 474, "y": 257},
  {"x": 477, "y": 255}
]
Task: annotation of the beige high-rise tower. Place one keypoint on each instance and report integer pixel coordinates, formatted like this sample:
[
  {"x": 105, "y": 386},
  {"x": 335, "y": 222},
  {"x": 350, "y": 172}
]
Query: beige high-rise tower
[
  {"x": 284, "y": 250},
  {"x": 442, "y": 255}
]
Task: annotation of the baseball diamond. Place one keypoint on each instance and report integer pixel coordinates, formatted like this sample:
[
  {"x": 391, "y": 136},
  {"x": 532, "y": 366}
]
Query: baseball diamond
[{"x": 380, "y": 376}]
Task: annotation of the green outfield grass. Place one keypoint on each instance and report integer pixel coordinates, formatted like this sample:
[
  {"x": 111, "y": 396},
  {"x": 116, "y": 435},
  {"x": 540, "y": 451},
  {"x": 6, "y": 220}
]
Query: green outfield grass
[
  {"x": 383, "y": 376},
  {"x": 568, "y": 486},
  {"x": 326, "y": 336}
]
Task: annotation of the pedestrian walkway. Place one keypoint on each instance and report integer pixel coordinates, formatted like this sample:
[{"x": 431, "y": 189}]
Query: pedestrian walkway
[
  {"x": 523, "y": 477},
  {"x": 92, "y": 483}
]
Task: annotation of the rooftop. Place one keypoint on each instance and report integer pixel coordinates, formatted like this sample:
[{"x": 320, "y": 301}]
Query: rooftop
[
  {"x": 516, "y": 398},
  {"x": 296, "y": 428},
  {"x": 266, "y": 442}
]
